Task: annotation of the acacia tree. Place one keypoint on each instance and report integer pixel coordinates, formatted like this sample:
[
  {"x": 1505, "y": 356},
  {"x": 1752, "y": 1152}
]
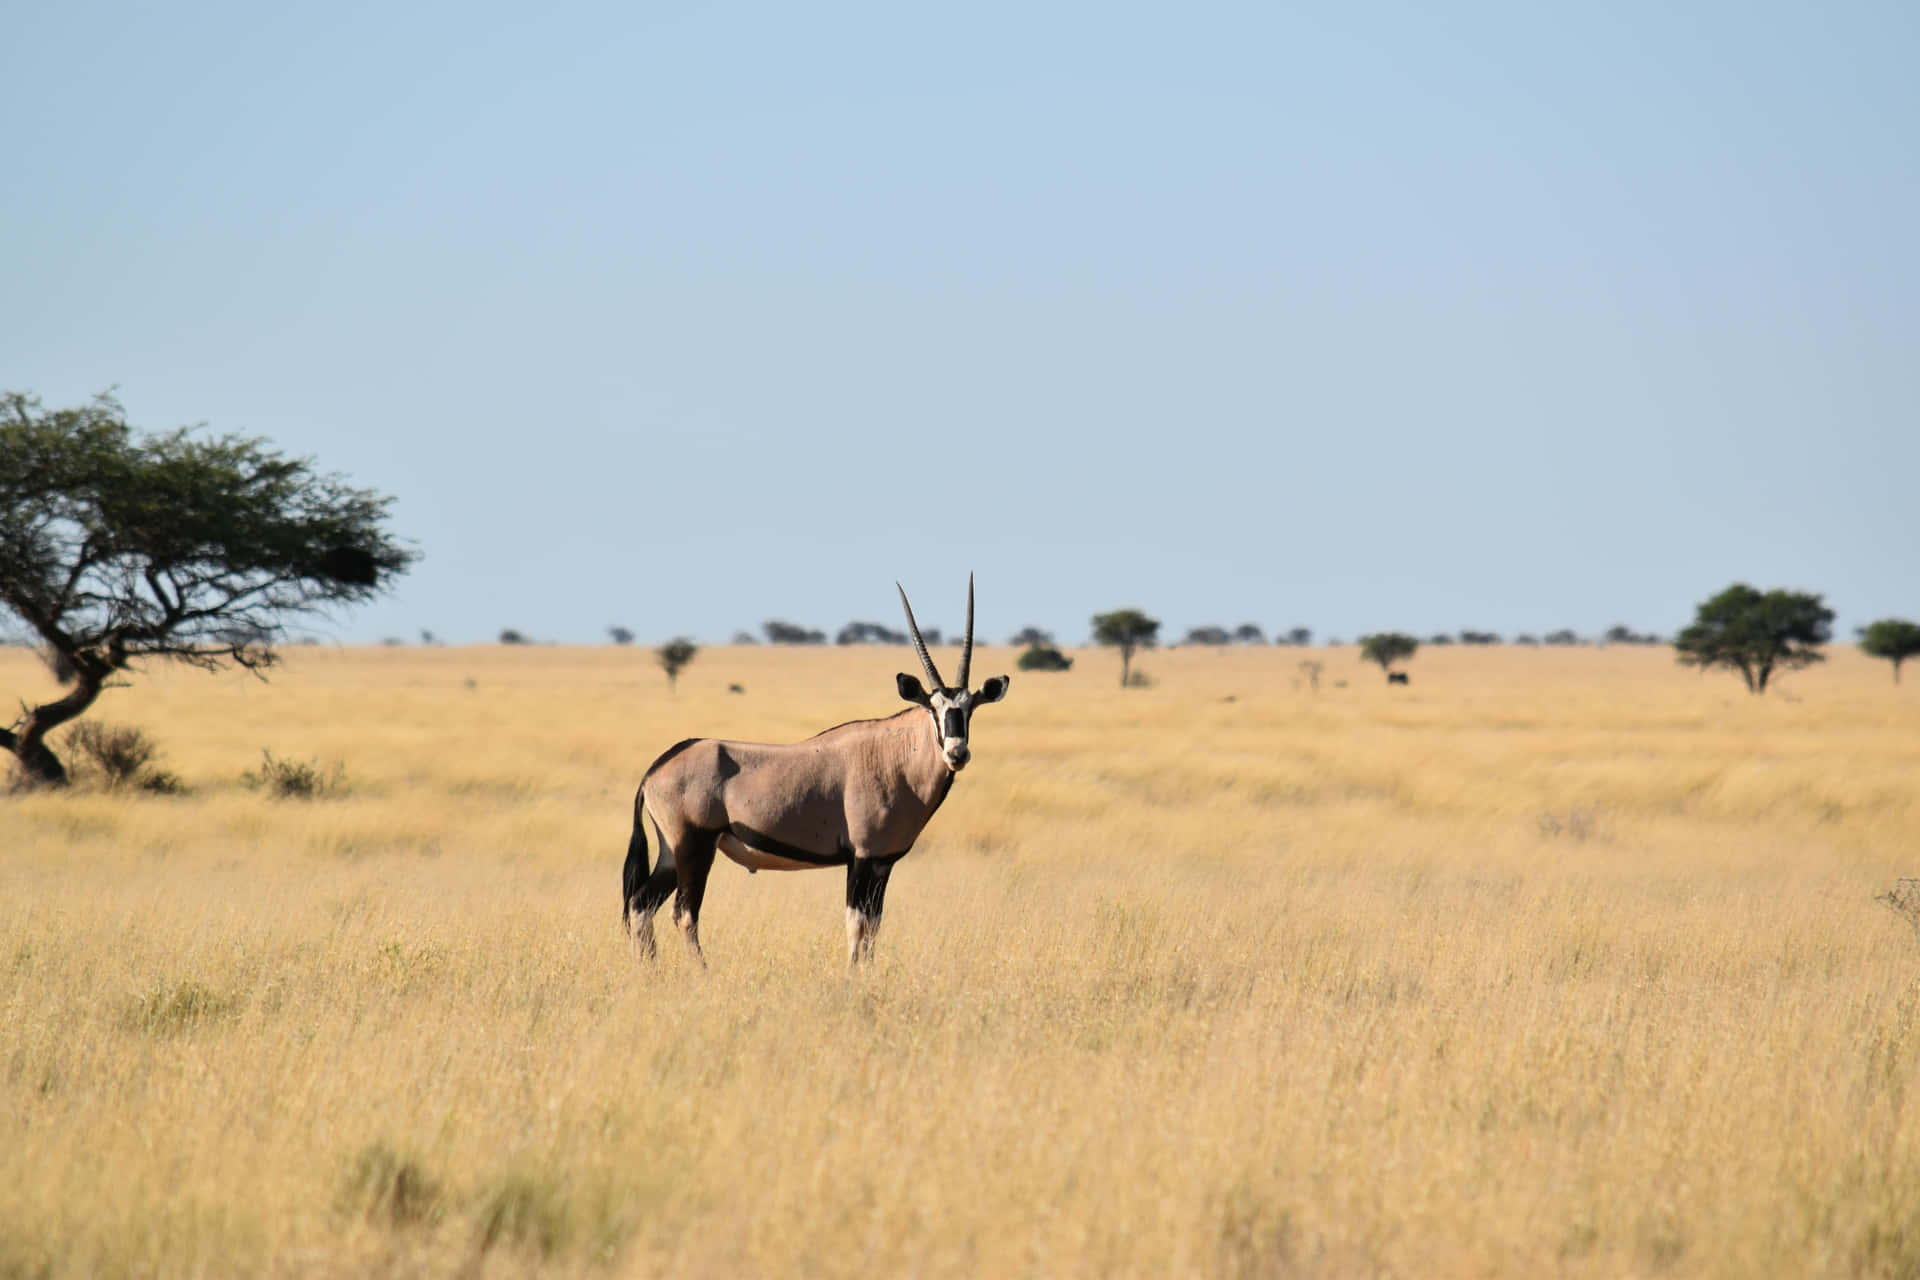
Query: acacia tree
[
  {"x": 1894, "y": 639},
  {"x": 673, "y": 655},
  {"x": 1125, "y": 630},
  {"x": 117, "y": 546},
  {"x": 1755, "y": 632},
  {"x": 1387, "y": 648}
]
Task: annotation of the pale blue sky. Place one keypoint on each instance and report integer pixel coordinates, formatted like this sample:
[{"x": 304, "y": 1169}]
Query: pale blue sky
[{"x": 1354, "y": 316}]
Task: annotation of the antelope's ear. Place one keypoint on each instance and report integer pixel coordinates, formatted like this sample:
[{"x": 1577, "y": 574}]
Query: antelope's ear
[
  {"x": 992, "y": 691},
  {"x": 910, "y": 689}
]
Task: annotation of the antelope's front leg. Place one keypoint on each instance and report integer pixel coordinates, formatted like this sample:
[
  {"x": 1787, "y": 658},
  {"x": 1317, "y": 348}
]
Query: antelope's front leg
[{"x": 866, "y": 897}]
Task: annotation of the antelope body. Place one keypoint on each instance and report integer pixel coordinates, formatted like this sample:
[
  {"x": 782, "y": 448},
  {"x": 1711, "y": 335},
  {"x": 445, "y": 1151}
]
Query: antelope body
[{"x": 855, "y": 796}]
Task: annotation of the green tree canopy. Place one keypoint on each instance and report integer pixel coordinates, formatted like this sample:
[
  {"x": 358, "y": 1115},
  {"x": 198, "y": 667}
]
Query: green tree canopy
[
  {"x": 117, "y": 546},
  {"x": 1387, "y": 648},
  {"x": 1125, "y": 630},
  {"x": 1894, "y": 639},
  {"x": 1756, "y": 632}
]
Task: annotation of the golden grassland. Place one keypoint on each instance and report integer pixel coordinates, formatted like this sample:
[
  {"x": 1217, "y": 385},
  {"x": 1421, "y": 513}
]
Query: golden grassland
[{"x": 1554, "y": 962}]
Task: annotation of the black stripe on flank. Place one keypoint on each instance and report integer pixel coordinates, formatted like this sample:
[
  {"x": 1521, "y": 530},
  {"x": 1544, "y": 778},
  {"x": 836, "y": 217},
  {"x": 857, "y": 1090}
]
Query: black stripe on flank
[{"x": 762, "y": 843}]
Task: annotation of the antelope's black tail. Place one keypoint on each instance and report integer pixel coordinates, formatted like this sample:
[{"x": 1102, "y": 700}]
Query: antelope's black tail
[{"x": 635, "y": 874}]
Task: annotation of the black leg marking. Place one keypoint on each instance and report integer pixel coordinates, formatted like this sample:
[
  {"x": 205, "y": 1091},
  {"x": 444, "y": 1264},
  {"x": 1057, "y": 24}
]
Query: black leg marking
[
  {"x": 692, "y": 861},
  {"x": 866, "y": 898},
  {"x": 655, "y": 890},
  {"x": 867, "y": 885}
]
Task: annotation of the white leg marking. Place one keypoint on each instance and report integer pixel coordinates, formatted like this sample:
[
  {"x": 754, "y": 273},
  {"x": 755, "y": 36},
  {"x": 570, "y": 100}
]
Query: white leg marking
[{"x": 862, "y": 929}]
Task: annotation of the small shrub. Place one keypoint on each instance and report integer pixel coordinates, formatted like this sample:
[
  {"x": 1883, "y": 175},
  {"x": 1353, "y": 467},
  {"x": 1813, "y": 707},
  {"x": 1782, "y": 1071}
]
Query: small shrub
[
  {"x": 1139, "y": 680},
  {"x": 1904, "y": 901},
  {"x": 296, "y": 779},
  {"x": 384, "y": 1186},
  {"x": 1043, "y": 657},
  {"x": 120, "y": 752},
  {"x": 161, "y": 782}
]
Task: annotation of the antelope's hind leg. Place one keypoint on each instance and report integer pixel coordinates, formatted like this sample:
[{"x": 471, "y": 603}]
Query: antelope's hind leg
[
  {"x": 653, "y": 891},
  {"x": 692, "y": 862}
]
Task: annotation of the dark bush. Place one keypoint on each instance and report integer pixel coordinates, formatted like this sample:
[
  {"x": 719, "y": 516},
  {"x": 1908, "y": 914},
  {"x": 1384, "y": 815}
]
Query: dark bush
[
  {"x": 118, "y": 751},
  {"x": 1042, "y": 657},
  {"x": 296, "y": 779}
]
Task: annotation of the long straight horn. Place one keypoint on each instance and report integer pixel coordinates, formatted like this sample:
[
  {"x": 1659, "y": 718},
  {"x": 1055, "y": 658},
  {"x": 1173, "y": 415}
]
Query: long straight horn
[
  {"x": 966, "y": 647},
  {"x": 925, "y": 660}
]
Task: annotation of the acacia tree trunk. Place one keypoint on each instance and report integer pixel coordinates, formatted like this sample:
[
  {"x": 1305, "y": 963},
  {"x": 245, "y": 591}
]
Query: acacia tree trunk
[
  {"x": 27, "y": 740},
  {"x": 1126, "y": 657}
]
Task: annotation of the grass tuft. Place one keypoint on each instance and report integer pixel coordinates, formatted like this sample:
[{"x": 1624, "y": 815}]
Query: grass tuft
[
  {"x": 526, "y": 1210},
  {"x": 173, "y": 1008},
  {"x": 391, "y": 1189}
]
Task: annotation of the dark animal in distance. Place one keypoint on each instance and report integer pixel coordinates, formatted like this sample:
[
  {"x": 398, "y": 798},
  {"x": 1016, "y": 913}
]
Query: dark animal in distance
[{"x": 1397, "y": 677}]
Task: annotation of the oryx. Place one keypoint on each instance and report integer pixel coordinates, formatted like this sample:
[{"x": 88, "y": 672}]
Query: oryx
[{"x": 855, "y": 796}]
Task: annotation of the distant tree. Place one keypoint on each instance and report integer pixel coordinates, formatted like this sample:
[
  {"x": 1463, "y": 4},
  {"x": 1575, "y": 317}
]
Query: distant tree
[
  {"x": 1525, "y": 638},
  {"x": 511, "y": 636},
  {"x": 745, "y": 637},
  {"x": 1249, "y": 633},
  {"x": 1125, "y": 630},
  {"x": 869, "y": 633},
  {"x": 117, "y": 546},
  {"x": 1207, "y": 635},
  {"x": 393, "y": 642},
  {"x": 427, "y": 637},
  {"x": 1755, "y": 632},
  {"x": 1441, "y": 638},
  {"x": 1621, "y": 633},
  {"x": 1043, "y": 657},
  {"x": 1387, "y": 648},
  {"x": 1029, "y": 637},
  {"x": 1311, "y": 669},
  {"x": 1479, "y": 637},
  {"x": 1894, "y": 639},
  {"x": 673, "y": 656},
  {"x": 620, "y": 635},
  {"x": 1300, "y": 636},
  {"x": 779, "y": 632},
  {"x": 1563, "y": 637}
]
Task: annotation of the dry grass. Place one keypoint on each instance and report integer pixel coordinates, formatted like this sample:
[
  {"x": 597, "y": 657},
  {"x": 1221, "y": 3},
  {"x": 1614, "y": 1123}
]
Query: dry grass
[{"x": 1558, "y": 962}]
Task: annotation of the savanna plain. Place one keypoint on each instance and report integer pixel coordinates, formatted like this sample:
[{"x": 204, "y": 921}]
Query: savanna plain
[{"x": 1554, "y": 962}]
